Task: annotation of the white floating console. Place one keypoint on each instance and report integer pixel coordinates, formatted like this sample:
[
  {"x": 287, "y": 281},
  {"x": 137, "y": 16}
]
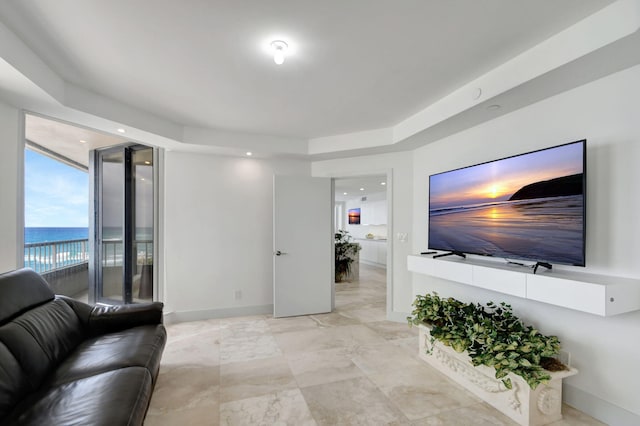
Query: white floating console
[{"x": 595, "y": 294}]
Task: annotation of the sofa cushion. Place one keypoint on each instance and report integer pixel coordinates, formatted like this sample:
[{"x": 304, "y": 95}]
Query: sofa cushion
[
  {"x": 22, "y": 290},
  {"x": 13, "y": 381},
  {"x": 41, "y": 338},
  {"x": 117, "y": 397},
  {"x": 139, "y": 346}
]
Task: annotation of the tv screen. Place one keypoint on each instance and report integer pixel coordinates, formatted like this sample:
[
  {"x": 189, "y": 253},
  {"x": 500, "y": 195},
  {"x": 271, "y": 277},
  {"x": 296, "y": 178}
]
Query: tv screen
[{"x": 529, "y": 206}]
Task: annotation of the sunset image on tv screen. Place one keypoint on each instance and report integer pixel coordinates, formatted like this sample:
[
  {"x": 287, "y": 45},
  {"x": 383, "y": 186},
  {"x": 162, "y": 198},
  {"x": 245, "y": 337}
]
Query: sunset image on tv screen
[{"x": 529, "y": 206}]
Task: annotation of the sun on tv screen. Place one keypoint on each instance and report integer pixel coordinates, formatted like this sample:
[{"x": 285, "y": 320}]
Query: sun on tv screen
[{"x": 529, "y": 207}]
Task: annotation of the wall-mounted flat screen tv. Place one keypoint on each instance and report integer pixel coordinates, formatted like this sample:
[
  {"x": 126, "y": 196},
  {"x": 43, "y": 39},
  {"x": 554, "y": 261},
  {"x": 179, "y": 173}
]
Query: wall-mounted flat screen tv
[{"x": 529, "y": 207}]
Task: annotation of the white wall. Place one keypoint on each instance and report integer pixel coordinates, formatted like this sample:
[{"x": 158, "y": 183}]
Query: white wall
[
  {"x": 10, "y": 169},
  {"x": 607, "y": 113},
  {"x": 219, "y": 231},
  {"x": 400, "y": 165}
]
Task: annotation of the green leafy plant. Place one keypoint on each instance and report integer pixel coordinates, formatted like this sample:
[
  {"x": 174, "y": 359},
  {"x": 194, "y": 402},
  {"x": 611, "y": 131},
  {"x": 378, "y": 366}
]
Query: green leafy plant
[
  {"x": 345, "y": 252},
  {"x": 492, "y": 335}
]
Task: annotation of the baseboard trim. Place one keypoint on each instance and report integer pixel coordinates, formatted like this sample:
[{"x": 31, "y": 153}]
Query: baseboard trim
[
  {"x": 397, "y": 316},
  {"x": 374, "y": 264},
  {"x": 598, "y": 408},
  {"x": 205, "y": 314},
  {"x": 168, "y": 318}
]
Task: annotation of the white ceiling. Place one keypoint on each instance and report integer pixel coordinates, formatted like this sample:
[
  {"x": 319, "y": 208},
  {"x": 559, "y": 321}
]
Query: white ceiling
[
  {"x": 371, "y": 185},
  {"x": 357, "y": 64},
  {"x": 65, "y": 139}
]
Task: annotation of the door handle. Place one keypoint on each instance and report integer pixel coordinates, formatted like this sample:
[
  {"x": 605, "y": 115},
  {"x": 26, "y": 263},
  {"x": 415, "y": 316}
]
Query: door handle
[{"x": 280, "y": 253}]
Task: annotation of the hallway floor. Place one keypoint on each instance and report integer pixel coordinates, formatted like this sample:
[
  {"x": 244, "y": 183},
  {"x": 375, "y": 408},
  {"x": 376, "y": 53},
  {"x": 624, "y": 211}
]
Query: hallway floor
[{"x": 348, "y": 367}]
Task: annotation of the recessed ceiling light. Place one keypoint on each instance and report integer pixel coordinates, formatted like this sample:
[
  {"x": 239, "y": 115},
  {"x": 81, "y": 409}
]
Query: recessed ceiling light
[
  {"x": 344, "y": 193},
  {"x": 361, "y": 189},
  {"x": 83, "y": 141},
  {"x": 279, "y": 47},
  {"x": 383, "y": 183},
  {"x": 493, "y": 107},
  {"x": 249, "y": 153},
  {"x": 121, "y": 130}
]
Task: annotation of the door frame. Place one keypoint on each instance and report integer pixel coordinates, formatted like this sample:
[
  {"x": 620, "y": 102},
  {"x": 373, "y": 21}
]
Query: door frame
[
  {"x": 388, "y": 173},
  {"x": 95, "y": 223}
]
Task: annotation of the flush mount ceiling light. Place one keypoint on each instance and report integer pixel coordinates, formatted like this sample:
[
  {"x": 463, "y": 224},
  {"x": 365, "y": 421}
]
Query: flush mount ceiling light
[
  {"x": 249, "y": 153},
  {"x": 279, "y": 47}
]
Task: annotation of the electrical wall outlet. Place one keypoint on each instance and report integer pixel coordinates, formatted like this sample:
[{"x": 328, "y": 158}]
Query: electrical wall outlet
[{"x": 237, "y": 295}]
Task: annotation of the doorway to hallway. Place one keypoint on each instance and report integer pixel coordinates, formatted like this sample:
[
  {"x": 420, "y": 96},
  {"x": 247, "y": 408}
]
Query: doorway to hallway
[{"x": 362, "y": 210}]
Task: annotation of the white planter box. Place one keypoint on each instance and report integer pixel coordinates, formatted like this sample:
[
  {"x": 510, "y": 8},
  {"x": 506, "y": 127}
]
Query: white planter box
[{"x": 522, "y": 404}]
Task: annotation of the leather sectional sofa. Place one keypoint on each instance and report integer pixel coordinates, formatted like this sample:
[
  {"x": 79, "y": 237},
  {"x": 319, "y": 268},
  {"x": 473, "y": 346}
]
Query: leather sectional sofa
[{"x": 63, "y": 362}]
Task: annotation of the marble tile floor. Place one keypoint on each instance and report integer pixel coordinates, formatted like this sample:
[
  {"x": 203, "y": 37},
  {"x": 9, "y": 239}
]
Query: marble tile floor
[{"x": 348, "y": 367}]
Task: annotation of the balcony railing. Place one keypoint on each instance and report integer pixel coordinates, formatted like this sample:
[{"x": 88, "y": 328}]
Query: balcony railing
[{"x": 51, "y": 256}]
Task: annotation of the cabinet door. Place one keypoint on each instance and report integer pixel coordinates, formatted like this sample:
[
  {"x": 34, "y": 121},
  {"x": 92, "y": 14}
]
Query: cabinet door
[
  {"x": 373, "y": 208},
  {"x": 368, "y": 252},
  {"x": 382, "y": 253},
  {"x": 366, "y": 214},
  {"x": 381, "y": 213},
  {"x": 374, "y": 213}
]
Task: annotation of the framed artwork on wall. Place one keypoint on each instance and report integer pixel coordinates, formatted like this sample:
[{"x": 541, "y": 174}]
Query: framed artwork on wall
[{"x": 354, "y": 216}]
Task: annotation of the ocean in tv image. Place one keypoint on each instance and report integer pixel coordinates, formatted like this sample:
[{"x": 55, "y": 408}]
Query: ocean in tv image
[{"x": 525, "y": 207}]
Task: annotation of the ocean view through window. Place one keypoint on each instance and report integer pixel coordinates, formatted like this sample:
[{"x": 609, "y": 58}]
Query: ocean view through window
[
  {"x": 56, "y": 213},
  {"x": 88, "y": 213}
]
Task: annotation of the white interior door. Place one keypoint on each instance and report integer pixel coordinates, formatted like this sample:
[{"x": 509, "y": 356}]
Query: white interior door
[{"x": 302, "y": 246}]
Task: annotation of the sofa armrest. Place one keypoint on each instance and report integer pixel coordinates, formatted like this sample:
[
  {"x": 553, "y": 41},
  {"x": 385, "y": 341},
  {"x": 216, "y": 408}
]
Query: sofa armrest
[
  {"x": 107, "y": 319},
  {"x": 82, "y": 310}
]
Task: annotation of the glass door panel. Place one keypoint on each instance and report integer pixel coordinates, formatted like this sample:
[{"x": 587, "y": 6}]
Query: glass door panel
[
  {"x": 111, "y": 225},
  {"x": 142, "y": 161},
  {"x": 123, "y": 221}
]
